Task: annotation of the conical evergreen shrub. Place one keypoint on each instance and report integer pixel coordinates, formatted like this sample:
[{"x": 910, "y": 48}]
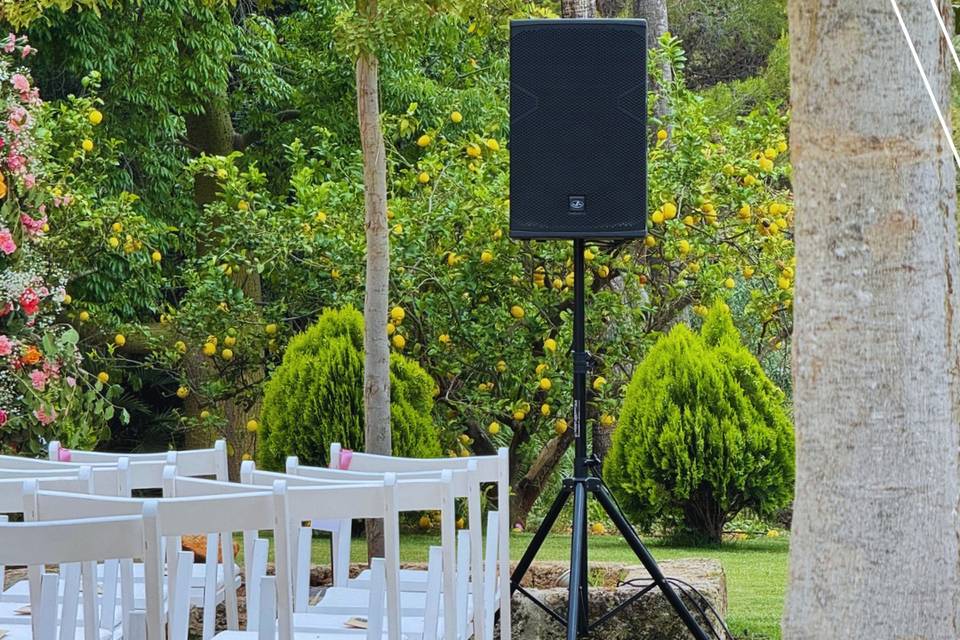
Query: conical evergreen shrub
[
  {"x": 315, "y": 397},
  {"x": 703, "y": 434}
]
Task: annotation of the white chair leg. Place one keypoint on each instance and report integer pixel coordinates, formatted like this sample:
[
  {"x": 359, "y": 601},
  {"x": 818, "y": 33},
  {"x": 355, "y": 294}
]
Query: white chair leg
[
  {"x": 137, "y": 623},
  {"x": 267, "y": 623},
  {"x": 178, "y": 598},
  {"x": 210, "y": 588},
  {"x": 44, "y": 614},
  {"x": 71, "y": 600},
  {"x": 256, "y": 568}
]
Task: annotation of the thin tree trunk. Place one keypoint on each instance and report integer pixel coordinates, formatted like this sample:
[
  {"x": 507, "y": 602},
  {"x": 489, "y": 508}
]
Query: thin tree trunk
[
  {"x": 376, "y": 361},
  {"x": 655, "y": 13},
  {"x": 578, "y": 8},
  {"x": 874, "y": 551}
]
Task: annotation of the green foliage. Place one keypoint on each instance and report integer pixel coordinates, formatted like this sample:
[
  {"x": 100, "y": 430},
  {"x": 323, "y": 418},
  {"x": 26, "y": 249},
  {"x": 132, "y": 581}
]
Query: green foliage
[
  {"x": 315, "y": 397},
  {"x": 726, "y": 39},
  {"x": 771, "y": 85},
  {"x": 703, "y": 433}
]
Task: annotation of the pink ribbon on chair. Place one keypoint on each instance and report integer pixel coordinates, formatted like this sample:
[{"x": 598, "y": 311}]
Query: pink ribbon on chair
[
  {"x": 63, "y": 454},
  {"x": 346, "y": 455}
]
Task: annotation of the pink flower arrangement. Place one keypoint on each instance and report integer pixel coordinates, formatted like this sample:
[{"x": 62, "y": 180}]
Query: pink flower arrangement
[
  {"x": 3, "y": 417},
  {"x": 11, "y": 44},
  {"x": 34, "y": 226},
  {"x": 7, "y": 245},
  {"x": 20, "y": 83}
]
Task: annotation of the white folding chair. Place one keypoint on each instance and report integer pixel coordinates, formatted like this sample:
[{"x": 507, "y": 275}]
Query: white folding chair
[
  {"x": 77, "y": 545},
  {"x": 490, "y": 469},
  {"x": 190, "y": 462},
  {"x": 463, "y": 483}
]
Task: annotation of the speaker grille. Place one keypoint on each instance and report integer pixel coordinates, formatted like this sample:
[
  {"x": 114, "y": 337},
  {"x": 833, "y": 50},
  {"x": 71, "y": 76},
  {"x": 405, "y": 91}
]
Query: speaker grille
[{"x": 578, "y": 128}]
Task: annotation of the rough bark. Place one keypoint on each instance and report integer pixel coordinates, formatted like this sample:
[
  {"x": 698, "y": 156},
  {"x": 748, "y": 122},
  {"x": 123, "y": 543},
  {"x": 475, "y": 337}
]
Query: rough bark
[
  {"x": 578, "y": 8},
  {"x": 655, "y": 13},
  {"x": 874, "y": 550},
  {"x": 611, "y": 8},
  {"x": 376, "y": 360},
  {"x": 528, "y": 488}
]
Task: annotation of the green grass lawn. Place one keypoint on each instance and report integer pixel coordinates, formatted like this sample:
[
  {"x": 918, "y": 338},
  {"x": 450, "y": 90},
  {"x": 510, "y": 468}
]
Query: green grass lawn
[{"x": 756, "y": 570}]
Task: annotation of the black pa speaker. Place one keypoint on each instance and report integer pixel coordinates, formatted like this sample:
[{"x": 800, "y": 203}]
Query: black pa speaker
[{"x": 578, "y": 128}]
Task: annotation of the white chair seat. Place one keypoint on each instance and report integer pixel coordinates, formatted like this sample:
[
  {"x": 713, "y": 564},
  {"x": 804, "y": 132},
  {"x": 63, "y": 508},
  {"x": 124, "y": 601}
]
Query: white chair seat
[
  {"x": 346, "y": 600},
  {"x": 9, "y": 615},
  {"x": 410, "y": 626}
]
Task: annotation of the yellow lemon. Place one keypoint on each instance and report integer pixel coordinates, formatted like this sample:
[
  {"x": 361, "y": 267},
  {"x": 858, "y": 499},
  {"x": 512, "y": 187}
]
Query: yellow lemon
[
  {"x": 399, "y": 342},
  {"x": 598, "y": 529},
  {"x": 729, "y": 283},
  {"x": 204, "y": 414},
  {"x": 391, "y": 328},
  {"x": 230, "y": 341},
  {"x": 545, "y": 384},
  {"x": 541, "y": 368},
  {"x": 688, "y": 220},
  {"x": 103, "y": 377},
  {"x": 557, "y": 283},
  {"x": 156, "y": 257},
  {"x": 227, "y": 354},
  {"x": 243, "y": 205},
  {"x": 728, "y": 169},
  {"x": 669, "y": 210},
  {"x": 423, "y": 140},
  {"x": 770, "y": 153},
  {"x": 424, "y": 522},
  {"x": 486, "y": 257},
  {"x": 494, "y": 427},
  {"x": 657, "y": 217},
  {"x": 782, "y": 146},
  {"x": 650, "y": 242},
  {"x": 116, "y": 227},
  {"x": 662, "y": 135},
  {"x": 749, "y": 180},
  {"x": 209, "y": 348},
  {"x": 519, "y": 415},
  {"x": 606, "y": 420},
  {"x": 119, "y": 340},
  {"x": 398, "y": 314},
  {"x": 493, "y": 145},
  {"x": 473, "y": 151},
  {"x": 744, "y": 212},
  {"x": 252, "y": 425},
  {"x": 550, "y": 345},
  {"x": 783, "y": 283},
  {"x": 684, "y": 247},
  {"x": 501, "y": 366},
  {"x": 113, "y": 241},
  {"x": 95, "y": 117},
  {"x": 517, "y": 311},
  {"x": 694, "y": 267},
  {"x": 598, "y": 383},
  {"x": 444, "y": 338},
  {"x": 423, "y": 178},
  {"x": 766, "y": 165},
  {"x": 569, "y": 280},
  {"x": 545, "y": 409},
  {"x": 321, "y": 216},
  {"x": 456, "y": 117},
  {"x": 84, "y": 316},
  {"x": 87, "y": 145},
  {"x": 67, "y": 298},
  {"x": 560, "y": 426},
  {"x": 270, "y": 329},
  {"x": 748, "y": 272},
  {"x": 180, "y": 346},
  {"x": 773, "y": 533},
  {"x": 588, "y": 255},
  {"x": 182, "y": 392},
  {"x": 603, "y": 271}
]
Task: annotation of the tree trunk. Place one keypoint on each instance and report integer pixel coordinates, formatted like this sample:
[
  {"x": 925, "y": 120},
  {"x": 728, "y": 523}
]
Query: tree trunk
[
  {"x": 578, "y": 8},
  {"x": 528, "y": 488},
  {"x": 376, "y": 359},
  {"x": 655, "y": 13},
  {"x": 874, "y": 550},
  {"x": 212, "y": 132}
]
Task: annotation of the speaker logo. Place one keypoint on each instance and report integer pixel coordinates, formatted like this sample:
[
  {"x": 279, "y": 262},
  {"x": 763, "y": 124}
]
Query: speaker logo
[{"x": 577, "y": 204}]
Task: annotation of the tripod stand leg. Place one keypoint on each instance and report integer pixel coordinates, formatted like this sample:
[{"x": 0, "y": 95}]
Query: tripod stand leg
[
  {"x": 542, "y": 532},
  {"x": 630, "y": 535},
  {"x": 576, "y": 613}
]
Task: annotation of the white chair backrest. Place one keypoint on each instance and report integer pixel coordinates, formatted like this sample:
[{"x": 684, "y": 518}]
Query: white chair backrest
[
  {"x": 79, "y": 545},
  {"x": 191, "y": 462},
  {"x": 489, "y": 469}
]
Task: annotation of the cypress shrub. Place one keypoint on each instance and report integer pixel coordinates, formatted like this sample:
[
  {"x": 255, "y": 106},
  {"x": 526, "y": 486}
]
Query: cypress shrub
[
  {"x": 315, "y": 397},
  {"x": 703, "y": 434}
]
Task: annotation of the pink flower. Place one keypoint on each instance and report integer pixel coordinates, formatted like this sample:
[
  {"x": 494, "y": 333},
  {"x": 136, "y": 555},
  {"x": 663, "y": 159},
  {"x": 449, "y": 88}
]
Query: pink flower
[
  {"x": 7, "y": 245},
  {"x": 38, "y": 379},
  {"x": 3, "y": 417},
  {"x": 44, "y": 417},
  {"x": 6, "y": 346},
  {"x": 33, "y": 225},
  {"x": 71, "y": 381},
  {"x": 29, "y": 301},
  {"x": 11, "y": 43},
  {"x": 20, "y": 83},
  {"x": 27, "y": 50},
  {"x": 29, "y": 180},
  {"x": 64, "y": 455}
]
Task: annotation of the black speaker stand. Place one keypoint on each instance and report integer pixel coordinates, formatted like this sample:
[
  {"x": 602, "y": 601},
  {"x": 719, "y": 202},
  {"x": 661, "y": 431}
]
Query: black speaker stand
[{"x": 586, "y": 480}]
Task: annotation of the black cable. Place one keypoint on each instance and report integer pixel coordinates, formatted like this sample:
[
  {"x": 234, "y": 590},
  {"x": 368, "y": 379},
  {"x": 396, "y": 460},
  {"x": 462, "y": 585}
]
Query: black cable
[{"x": 688, "y": 590}]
